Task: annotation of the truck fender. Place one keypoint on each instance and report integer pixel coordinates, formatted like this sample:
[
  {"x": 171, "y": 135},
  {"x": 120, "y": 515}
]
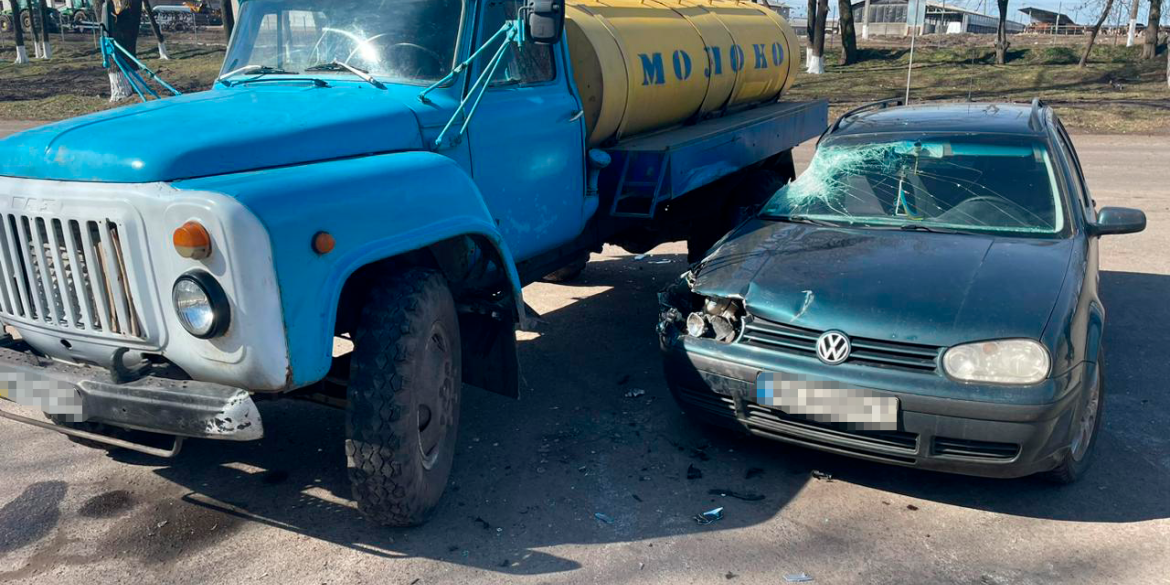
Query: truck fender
[{"x": 376, "y": 207}]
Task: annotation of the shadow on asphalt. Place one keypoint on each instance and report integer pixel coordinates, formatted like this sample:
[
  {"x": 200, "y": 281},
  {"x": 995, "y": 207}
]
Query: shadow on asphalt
[{"x": 530, "y": 475}]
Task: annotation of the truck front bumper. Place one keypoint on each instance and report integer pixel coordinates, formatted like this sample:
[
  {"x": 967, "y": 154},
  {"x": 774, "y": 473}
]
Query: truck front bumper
[{"x": 76, "y": 394}]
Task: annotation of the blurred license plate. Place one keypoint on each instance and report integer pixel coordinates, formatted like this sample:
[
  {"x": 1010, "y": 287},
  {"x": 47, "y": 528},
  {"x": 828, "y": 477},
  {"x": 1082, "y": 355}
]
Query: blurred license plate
[
  {"x": 827, "y": 401},
  {"x": 48, "y": 395}
]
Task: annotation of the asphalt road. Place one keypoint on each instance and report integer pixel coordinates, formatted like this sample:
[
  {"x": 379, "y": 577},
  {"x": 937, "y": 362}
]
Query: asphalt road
[{"x": 530, "y": 475}]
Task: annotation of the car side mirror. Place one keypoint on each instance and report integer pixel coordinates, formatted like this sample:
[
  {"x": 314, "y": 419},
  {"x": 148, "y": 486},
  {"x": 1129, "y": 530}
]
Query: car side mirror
[
  {"x": 545, "y": 20},
  {"x": 1118, "y": 220}
]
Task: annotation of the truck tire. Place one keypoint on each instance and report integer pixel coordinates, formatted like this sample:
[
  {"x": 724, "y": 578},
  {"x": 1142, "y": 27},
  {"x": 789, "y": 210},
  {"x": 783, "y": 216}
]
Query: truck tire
[
  {"x": 747, "y": 194},
  {"x": 569, "y": 272},
  {"x": 5, "y": 23},
  {"x": 1076, "y": 463},
  {"x": 26, "y": 21},
  {"x": 404, "y": 392}
]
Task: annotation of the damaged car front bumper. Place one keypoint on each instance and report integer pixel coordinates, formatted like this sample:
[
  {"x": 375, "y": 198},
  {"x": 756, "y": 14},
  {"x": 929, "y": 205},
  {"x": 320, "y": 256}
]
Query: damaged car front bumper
[
  {"x": 939, "y": 426},
  {"x": 72, "y": 394}
]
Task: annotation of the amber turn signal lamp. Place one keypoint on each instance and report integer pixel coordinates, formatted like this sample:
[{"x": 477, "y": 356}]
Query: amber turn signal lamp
[
  {"x": 192, "y": 241},
  {"x": 323, "y": 242}
]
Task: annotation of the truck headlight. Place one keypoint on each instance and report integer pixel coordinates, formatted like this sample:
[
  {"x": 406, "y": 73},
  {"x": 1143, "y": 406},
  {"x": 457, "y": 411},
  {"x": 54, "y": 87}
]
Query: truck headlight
[
  {"x": 1009, "y": 361},
  {"x": 201, "y": 305}
]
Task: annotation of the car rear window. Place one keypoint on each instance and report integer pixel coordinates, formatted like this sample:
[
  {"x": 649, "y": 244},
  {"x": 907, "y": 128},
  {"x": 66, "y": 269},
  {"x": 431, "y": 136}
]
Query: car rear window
[{"x": 1002, "y": 184}]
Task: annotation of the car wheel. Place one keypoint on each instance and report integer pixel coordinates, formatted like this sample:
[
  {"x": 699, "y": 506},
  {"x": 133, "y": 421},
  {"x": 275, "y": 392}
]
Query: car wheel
[
  {"x": 569, "y": 272},
  {"x": 1085, "y": 435},
  {"x": 404, "y": 389}
]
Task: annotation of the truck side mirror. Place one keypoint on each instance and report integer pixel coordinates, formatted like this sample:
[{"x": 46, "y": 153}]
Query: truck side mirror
[{"x": 545, "y": 20}]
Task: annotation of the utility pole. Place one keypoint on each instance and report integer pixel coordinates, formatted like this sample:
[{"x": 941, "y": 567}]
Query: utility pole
[
  {"x": 1133, "y": 10},
  {"x": 1056, "y": 29},
  {"x": 913, "y": 37}
]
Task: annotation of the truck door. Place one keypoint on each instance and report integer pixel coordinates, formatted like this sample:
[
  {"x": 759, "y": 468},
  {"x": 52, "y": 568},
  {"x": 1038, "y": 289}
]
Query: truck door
[{"x": 527, "y": 142}]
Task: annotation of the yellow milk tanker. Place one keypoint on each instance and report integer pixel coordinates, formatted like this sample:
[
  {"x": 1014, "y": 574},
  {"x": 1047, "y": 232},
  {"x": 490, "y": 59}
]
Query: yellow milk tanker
[{"x": 645, "y": 64}]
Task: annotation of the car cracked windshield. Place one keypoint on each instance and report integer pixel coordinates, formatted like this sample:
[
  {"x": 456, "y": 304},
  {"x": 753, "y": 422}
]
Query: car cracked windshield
[
  {"x": 409, "y": 41},
  {"x": 932, "y": 184}
]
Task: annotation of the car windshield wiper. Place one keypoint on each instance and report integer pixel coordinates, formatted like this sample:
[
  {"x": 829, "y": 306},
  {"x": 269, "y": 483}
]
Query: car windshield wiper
[
  {"x": 801, "y": 219},
  {"x": 253, "y": 69},
  {"x": 917, "y": 227},
  {"x": 336, "y": 65}
]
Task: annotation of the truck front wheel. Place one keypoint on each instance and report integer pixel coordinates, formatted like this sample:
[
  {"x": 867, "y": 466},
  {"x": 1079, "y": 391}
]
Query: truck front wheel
[{"x": 404, "y": 390}]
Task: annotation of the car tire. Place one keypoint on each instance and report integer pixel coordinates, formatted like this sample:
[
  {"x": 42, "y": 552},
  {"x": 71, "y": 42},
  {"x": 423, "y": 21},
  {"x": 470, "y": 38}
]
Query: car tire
[
  {"x": 569, "y": 272},
  {"x": 1074, "y": 466},
  {"x": 750, "y": 192},
  {"x": 403, "y": 398}
]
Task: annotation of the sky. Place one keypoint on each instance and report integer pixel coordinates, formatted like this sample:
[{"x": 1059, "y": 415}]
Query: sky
[{"x": 1081, "y": 11}]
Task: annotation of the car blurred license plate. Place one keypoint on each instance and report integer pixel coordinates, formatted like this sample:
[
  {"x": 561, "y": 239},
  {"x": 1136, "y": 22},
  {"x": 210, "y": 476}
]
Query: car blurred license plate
[{"x": 827, "y": 401}]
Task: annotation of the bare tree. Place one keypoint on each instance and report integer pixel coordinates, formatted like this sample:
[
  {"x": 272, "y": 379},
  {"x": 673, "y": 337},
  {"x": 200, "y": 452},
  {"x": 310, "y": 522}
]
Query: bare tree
[
  {"x": 42, "y": 12},
  {"x": 1150, "y": 48},
  {"x": 816, "y": 64},
  {"x": 34, "y": 29},
  {"x": 162, "y": 43},
  {"x": 18, "y": 32},
  {"x": 810, "y": 27},
  {"x": 229, "y": 18},
  {"x": 122, "y": 19},
  {"x": 865, "y": 21},
  {"x": 1093, "y": 33},
  {"x": 848, "y": 34},
  {"x": 1001, "y": 40},
  {"x": 1132, "y": 34}
]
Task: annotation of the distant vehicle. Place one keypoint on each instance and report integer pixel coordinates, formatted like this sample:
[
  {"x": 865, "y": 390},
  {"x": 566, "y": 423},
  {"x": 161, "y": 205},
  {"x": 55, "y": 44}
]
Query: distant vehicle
[
  {"x": 925, "y": 294},
  {"x": 52, "y": 19},
  {"x": 173, "y": 18}
]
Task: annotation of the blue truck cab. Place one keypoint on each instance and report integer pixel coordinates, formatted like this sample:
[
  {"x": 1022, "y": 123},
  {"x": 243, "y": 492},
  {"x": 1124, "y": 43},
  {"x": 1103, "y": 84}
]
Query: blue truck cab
[{"x": 349, "y": 214}]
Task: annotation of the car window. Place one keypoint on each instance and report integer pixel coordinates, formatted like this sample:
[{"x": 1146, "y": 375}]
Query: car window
[
  {"x": 999, "y": 185},
  {"x": 1075, "y": 162},
  {"x": 522, "y": 64}
]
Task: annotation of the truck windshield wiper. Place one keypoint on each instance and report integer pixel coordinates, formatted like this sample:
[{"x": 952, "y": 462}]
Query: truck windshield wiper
[
  {"x": 336, "y": 65},
  {"x": 254, "y": 69}
]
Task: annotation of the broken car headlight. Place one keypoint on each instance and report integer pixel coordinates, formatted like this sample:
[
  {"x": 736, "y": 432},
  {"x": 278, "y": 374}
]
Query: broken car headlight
[
  {"x": 201, "y": 305},
  {"x": 1008, "y": 361},
  {"x": 719, "y": 319}
]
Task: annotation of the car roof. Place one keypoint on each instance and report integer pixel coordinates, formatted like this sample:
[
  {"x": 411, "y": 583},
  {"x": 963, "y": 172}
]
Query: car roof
[{"x": 962, "y": 117}]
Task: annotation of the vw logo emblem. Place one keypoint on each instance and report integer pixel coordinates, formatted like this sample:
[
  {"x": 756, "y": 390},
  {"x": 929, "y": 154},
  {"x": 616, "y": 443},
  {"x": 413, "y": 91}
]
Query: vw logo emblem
[{"x": 833, "y": 347}]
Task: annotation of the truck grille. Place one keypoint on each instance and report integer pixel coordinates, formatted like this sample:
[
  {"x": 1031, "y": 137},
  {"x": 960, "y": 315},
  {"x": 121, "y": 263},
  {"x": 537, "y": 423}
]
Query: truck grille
[
  {"x": 871, "y": 352},
  {"x": 67, "y": 273}
]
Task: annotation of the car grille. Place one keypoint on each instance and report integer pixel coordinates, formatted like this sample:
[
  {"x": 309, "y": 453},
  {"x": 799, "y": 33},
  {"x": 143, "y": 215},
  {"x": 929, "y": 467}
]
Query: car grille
[
  {"x": 945, "y": 447},
  {"x": 871, "y": 352},
  {"x": 67, "y": 273},
  {"x": 783, "y": 423}
]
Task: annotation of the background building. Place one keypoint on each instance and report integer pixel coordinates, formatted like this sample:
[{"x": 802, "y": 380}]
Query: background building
[{"x": 896, "y": 17}]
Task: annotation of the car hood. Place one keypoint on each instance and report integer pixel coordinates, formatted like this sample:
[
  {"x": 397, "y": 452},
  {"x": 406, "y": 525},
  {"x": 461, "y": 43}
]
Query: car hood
[
  {"x": 214, "y": 132},
  {"x": 929, "y": 288}
]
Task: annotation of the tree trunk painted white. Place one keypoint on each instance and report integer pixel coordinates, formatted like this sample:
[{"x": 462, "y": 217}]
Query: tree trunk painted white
[
  {"x": 865, "y": 21},
  {"x": 37, "y": 49},
  {"x": 162, "y": 51},
  {"x": 816, "y": 64},
  {"x": 46, "y": 49},
  {"x": 21, "y": 55},
  {"x": 119, "y": 87},
  {"x": 1131, "y": 36}
]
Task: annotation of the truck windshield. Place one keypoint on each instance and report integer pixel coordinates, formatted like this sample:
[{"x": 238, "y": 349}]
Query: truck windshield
[
  {"x": 932, "y": 183},
  {"x": 412, "y": 41}
]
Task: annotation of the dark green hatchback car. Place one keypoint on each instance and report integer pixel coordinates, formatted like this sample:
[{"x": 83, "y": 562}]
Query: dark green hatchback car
[{"x": 924, "y": 294}]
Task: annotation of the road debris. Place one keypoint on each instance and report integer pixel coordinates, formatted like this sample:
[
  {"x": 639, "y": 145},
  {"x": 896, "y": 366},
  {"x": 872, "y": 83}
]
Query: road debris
[
  {"x": 710, "y": 516},
  {"x": 482, "y": 523},
  {"x": 636, "y": 497},
  {"x": 693, "y": 472},
  {"x": 745, "y": 496},
  {"x": 822, "y": 475},
  {"x": 798, "y": 578},
  {"x": 912, "y": 507},
  {"x": 603, "y": 517},
  {"x": 636, "y": 392}
]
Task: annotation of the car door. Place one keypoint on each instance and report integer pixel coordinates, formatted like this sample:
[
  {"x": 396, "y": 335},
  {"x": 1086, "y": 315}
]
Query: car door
[{"x": 527, "y": 142}]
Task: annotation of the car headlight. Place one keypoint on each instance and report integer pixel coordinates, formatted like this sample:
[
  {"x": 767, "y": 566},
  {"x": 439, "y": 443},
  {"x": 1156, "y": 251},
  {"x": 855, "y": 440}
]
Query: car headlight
[
  {"x": 719, "y": 318},
  {"x": 1009, "y": 361},
  {"x": 201, "y": 305}
]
